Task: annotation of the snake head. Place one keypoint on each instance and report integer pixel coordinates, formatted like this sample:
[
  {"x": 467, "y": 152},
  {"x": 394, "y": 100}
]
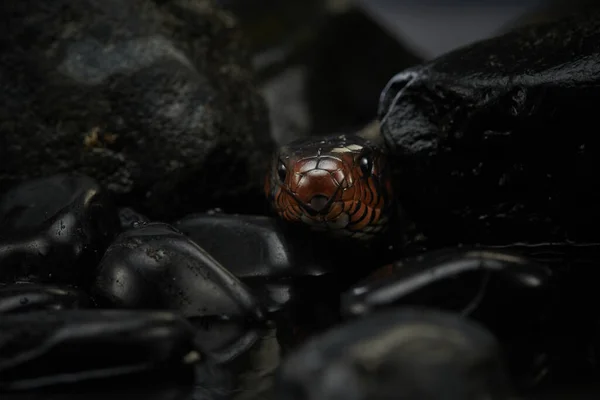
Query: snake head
[{"x": 340, "y": 184}]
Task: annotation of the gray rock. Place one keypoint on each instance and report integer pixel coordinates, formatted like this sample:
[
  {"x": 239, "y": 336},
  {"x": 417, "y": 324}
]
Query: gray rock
[
  {"x": 154, "y": 99},
  {"x": 402, "y": 354}
]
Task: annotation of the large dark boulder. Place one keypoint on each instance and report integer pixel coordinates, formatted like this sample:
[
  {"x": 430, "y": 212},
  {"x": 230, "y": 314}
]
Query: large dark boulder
[{"x": 154, "y": 99}]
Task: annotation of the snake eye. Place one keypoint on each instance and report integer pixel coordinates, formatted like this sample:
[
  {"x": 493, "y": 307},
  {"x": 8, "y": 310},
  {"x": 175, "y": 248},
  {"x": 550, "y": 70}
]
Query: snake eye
[
  {"x": 366, "y": 164},
  {"x": 281, "y": 171}
]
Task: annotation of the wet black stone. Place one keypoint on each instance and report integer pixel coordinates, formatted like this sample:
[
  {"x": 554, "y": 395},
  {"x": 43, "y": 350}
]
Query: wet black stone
[
  {"x": 154, "y": 99},
  {"x": 269, "y": 249},
  {"x": 399, "y": 354},
  {"x": 456, "y": 279},
  {"x": 264, "y": 257},
  {"x": 264, "y": 247},
  {"x": 296, "y": 274},
  {"x": 493, "y": 143},
  {"x": 27, "y": 297},
  {"x": 42, "y": 349},
  {"x": 156, "y": 267},
  {"x": 55, "y": 229},
  {"x": 261, "y": 247},
  {"x": 511, "y": 295}
]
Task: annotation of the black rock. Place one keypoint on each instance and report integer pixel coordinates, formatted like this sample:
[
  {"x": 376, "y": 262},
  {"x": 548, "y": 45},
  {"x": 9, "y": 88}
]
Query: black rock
[
  {"x": 269, "y": 249},
  {"x": 509, "y": 294},
  {"x": 399, "y": 354},
  {"x": 296, "y": 275},
  {"x": 154, "y": 99},
  {"x": 156, "y": 267},
  {"x": 493, "y": 143},
  {"x": 211, "y": 383},
  {"x": 41, "y": 349},
  {"x": 461, "y": 280},
  {"x": 261, "y": 248},
  {"x": 265, "y": 258},
  {"x": 27, "y": 297},
  {"x": 55, "y": 229}
]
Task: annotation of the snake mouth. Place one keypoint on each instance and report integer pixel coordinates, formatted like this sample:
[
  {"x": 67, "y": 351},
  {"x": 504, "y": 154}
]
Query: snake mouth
[
  {"x": 319, "y": 205},
  {"x": 320, "y": 214}
]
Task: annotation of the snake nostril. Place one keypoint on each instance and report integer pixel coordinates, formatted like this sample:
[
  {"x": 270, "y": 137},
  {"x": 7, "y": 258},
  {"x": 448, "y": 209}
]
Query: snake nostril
[{"x": 318, "y": 202}]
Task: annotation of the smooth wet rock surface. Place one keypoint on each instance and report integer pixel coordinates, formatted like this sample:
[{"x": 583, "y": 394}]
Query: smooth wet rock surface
[
  {"x": 55, "y": 229},
  {"x": 459, "y": 280},
  {"x": 296, "y": 276},
  {"x": 259, "y": 240},
  {"x": 407, "y": 354},
  {"x": 148, "y": 97},
  {"x": 271, "y": 250},
  {"x": 41, "y": 349},
  {"x": 265, "y": 258},
  {"x": 28, "y": 297},
  {"x": 154, "y": 266},
  {"x": 511, "y": 295}
]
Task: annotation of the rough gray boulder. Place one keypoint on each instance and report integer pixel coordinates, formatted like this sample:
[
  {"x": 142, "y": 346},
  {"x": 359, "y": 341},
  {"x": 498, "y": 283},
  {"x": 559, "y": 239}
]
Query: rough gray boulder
[{"x": 154, "y": 99}]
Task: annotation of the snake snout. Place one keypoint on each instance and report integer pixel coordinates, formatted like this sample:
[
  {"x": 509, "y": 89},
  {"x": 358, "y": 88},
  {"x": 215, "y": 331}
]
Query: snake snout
[{"x": 315, "y": 190}]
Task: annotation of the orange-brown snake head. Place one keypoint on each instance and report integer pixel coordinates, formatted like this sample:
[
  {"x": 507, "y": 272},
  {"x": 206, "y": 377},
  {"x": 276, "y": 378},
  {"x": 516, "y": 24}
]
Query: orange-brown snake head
[{"x": 338, "y": 183}]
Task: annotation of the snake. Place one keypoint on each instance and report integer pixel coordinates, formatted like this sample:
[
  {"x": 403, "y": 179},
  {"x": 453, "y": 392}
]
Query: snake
[{"x": 338, "y": 183}]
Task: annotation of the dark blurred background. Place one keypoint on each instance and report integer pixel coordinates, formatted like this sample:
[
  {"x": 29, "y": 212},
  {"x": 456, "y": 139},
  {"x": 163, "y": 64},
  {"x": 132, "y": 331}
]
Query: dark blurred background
[{"x": 433, "y": 27}]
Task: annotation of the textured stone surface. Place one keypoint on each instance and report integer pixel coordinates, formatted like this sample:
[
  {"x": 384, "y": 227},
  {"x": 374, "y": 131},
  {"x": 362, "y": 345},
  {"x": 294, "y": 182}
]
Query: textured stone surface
[
  {"x": 494, "y": 143},
  {"x": 154, "y": 99}
]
